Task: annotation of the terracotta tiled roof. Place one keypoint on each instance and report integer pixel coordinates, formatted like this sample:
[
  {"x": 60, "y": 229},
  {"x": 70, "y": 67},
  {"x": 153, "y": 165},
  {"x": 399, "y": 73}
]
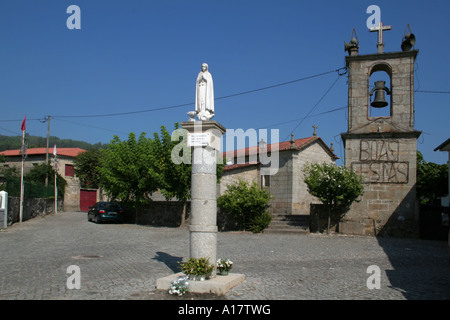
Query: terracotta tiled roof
[
  {"x": 282, "y": 146},
  {"x": 69, "y": 152},
  {"x": 242, "y": 165}
]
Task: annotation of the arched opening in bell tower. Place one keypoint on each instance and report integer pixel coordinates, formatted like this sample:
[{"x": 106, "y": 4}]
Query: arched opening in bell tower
[{"x": 380, "y": 92}]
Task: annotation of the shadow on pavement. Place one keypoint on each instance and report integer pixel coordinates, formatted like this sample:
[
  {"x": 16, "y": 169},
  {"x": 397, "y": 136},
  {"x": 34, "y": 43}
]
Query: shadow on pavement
[
  {"x": 420, "y": 268},
  {"x": 173, "y": 262}
]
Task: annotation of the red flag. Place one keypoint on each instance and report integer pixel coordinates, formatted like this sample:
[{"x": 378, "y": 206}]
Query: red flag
[{"x": 23, "y": 123}]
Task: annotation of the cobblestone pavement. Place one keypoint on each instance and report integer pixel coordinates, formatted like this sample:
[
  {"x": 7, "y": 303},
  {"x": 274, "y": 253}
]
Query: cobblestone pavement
[{"x": 123, "y": 261}]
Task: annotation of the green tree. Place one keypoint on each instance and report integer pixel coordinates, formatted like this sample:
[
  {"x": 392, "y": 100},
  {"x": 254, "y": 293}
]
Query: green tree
[
  {"x": 86, "y": 167},
  {"x": 248, "y": 204},
  {"x": 9, "y": 178},
  {"x": 127, "y": 170},
  {"x": 432, "y": 180},
  {"x": 15, "y": 142},
  {"x": 335, "y": 186},
  {"x": 37, "y": 176},
  {"x": 175, "y": 178}
]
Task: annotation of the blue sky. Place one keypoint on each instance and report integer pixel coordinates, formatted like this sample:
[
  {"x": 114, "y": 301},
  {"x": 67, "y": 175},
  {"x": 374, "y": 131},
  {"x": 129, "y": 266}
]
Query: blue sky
[{"x": 135, "y": 56}]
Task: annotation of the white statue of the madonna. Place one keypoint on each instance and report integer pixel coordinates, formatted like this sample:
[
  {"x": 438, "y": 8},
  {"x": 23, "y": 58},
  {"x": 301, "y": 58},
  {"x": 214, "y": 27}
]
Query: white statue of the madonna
[{"x": 204, "y": 95}]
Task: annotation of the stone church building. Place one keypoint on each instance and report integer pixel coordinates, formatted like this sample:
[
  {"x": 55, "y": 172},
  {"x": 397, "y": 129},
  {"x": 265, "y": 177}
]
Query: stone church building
[
  {"x": 380, "y": 145},
  {"x": 289, "y": 192}
]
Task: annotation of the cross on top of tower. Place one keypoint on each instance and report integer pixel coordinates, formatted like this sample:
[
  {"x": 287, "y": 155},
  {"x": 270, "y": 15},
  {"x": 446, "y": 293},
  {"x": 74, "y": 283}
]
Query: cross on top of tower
[{"x": 380, "y": 29}]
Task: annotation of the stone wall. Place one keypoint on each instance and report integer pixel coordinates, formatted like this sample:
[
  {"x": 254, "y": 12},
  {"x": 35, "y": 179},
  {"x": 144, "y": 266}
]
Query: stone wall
[
  {"x": 281, "y": 185},
  {"x": 32, "y": 208},
  {"x": 388, "y": 205},
  {"x": 169, "y": 214},
  {"x": 72, "y": 194},
  {"x": 248, "y": 173},
  {"x": 399, "y": 66},
  {"x": 301, "y": 198},
  {"x": 162, "y": 214}
]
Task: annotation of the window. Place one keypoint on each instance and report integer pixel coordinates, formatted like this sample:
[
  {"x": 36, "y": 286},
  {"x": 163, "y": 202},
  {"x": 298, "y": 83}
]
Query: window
[
  {"x": 265, "y": 181},
  {"x": 69, "y": 170}
]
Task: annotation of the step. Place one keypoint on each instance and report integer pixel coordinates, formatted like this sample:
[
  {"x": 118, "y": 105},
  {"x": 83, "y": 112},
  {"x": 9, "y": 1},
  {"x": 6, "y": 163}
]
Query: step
[
  {"x": 290, "y": 219},
  {"x": 282, "y": 223},
  {"x": 285, "y": 231},
  {"x": 289, "y": 223}
]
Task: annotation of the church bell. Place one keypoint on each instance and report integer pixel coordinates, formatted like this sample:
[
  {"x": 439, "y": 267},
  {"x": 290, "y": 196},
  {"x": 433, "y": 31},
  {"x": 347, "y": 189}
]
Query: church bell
[{"x": 380, "y": 89}]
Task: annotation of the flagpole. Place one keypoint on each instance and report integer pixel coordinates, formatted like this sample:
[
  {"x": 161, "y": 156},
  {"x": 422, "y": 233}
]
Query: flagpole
[
  {"x": 56, "y": 193},
  {"x": 21, "y": 177}
]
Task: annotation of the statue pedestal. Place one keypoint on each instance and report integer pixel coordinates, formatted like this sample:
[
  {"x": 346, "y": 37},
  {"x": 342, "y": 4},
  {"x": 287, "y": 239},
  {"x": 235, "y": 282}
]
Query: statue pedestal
[
  {"x": 219, "y": 285},
  {"x": 204, "y": 137}
]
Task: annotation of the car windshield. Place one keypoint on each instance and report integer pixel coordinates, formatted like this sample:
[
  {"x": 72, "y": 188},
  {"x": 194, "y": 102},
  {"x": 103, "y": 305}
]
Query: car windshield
[{"x": 109, "y": 206}]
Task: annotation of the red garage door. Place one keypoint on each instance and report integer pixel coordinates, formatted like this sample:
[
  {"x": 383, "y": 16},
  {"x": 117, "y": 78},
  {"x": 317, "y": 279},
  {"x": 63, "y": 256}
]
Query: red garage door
[{"x": 87, "y": 198}]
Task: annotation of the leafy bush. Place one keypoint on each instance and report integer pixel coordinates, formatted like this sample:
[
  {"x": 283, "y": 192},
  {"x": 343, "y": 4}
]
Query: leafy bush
[
  {"x": 335, "y": 186},
  {"x": 35, "y": 182},
  {"x": 260, "y": 222},
  {"x": 432, "y": 181},
  {"x": 197, "y": 267},
  {"x": 247, "y": 204}
]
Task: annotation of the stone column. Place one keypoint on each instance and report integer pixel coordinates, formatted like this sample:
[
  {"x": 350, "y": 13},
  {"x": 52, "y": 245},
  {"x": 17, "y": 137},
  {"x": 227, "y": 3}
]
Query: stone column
[{"x": 204, "y": 138}]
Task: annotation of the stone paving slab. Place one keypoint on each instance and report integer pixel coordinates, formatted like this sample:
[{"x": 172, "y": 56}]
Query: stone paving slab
[{"x": 124, "y": 261}]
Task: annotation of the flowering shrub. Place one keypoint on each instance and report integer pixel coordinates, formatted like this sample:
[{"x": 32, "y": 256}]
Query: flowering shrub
[
  {"x": 335, "y": 186},
  {"x": 224, "y": 264},
  {"x": 247, "y": 204},
  {"x": 179, "y": 286}
]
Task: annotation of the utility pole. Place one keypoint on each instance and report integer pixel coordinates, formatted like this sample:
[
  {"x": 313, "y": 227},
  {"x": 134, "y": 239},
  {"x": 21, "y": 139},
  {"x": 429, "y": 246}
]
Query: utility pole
[
  {"x": 56, "y": 178},
  {"x": 46, "y": 155}
]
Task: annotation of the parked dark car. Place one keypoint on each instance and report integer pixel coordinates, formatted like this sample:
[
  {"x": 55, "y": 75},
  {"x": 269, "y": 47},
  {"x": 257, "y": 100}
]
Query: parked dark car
[{"x": 106, "y": 211}]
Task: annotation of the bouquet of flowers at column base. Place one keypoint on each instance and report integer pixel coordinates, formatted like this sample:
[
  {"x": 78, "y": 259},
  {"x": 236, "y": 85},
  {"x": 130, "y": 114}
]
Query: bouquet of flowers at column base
[
  {"x": 179, "y": 286},
  {"x": 224, "y": 265}
]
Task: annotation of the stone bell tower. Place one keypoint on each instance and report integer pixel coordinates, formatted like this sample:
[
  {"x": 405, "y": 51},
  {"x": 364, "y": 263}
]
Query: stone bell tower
[{"x": 381, "y": 142}]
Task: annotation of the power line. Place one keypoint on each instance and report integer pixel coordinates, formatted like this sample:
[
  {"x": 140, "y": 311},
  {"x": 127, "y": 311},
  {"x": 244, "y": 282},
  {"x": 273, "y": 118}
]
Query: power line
[
  {"x": 315, "y": 106},
  {"x": 340, "y": 70},
  {"x": 219, "y": 98},
  {"x": 93, "y": 127},
  {"x": 430, "y": 91},
  {"x": 305, "y": 117},
  {"x": 126, "y": 113},
  {"x": 280, "y": 84},
  {"x": 15, "y": 120},
  {"x": 10, "y": 131}
]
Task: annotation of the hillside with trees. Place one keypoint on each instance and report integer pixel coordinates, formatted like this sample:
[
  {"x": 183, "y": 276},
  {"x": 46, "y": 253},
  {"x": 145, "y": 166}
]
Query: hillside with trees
[{"x": 15, "y": 142}]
